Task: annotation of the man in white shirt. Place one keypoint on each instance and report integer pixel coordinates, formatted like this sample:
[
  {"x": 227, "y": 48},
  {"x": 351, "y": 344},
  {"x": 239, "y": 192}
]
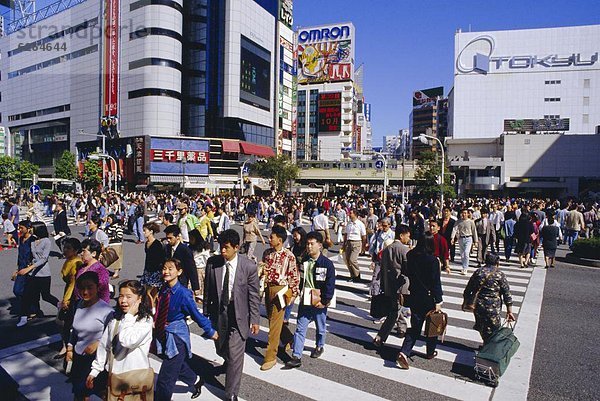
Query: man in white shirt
[
  {"x": 321, "y": 225},
  {"x": 497, "y": 219},
  {"x": 355, "y": 240}
]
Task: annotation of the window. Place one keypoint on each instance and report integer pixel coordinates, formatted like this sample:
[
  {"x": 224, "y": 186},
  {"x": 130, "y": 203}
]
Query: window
[
  {"x": 551, "y": 99},
  {"x": 552, "y": 116},
  {"x": 586, "y": 83},
  {"x": 586, "y": 100},
  {"x": 586, "y": 119},
  {"x": 553, "y": 82}
]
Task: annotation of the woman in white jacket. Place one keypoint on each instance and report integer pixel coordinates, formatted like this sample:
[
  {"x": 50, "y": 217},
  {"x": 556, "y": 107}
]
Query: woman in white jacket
[{"x": 130, "y": 334}]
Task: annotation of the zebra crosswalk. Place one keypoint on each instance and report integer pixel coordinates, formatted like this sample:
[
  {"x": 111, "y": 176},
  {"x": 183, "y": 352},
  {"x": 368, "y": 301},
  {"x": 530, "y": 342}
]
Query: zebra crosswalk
[{"x": 351, "y": 368}]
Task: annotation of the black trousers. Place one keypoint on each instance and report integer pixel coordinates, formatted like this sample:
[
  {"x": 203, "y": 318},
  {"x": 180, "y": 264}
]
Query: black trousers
[
  {"x": 173, "y": 369},
  {"x": 390, "y": 321},
  {"x": 35, "y": 287}
]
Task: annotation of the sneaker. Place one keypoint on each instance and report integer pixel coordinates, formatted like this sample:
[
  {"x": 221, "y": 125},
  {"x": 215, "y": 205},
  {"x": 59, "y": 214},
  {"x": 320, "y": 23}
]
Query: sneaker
[
  {"x": 295, "y": 362},
  {"x": 402, "y": 362},
  {"x": 22, "y": 321},
  {"x": 317, "y": 352},
  {"x": 463, "y": 272}
]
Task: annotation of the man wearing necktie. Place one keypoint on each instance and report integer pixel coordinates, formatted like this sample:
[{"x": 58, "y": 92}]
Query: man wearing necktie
[
  {"x": 486, "y": 235},
  {"x": 231, "y": 302}
]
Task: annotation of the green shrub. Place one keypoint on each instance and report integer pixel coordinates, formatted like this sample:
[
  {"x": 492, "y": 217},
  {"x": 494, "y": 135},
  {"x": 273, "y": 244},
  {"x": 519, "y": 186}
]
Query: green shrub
[{"x": 588, "y": 248}]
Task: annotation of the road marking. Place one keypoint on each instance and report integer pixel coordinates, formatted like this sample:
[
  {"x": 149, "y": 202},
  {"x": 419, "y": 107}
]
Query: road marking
[
  {"x": 514, "y": 384},
  {"x": 19, "y": 348}
]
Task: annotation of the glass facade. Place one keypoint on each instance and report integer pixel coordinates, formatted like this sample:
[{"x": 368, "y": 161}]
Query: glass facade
[{"x": 203, "y": 76}]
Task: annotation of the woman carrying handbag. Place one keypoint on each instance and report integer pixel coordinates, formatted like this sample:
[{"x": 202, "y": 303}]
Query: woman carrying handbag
[
  {"x": 423, "y": 270},
  {"x": 124, "y": 347}
]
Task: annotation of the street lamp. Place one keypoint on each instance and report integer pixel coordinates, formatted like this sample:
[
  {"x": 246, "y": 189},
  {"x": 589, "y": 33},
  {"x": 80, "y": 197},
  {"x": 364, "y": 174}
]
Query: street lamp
[
  {"x": 103, "y": 157},
  {"x": 384, "y": 196},
  {"x": 423, "y": 138},
  {"x": 82, "y": 132}
]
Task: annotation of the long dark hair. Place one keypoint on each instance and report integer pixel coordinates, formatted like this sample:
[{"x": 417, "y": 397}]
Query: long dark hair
[
  {"x": 300, "y": 248},
  {"x": 145, "y": 308},
  {"x": 425, "y": 244}
]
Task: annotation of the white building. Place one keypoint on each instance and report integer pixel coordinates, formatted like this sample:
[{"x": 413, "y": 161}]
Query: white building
[
  {"x": 531, "y": 80},
  {"x": 524, "y": 113},
  {"x": 327, "y": 101}
]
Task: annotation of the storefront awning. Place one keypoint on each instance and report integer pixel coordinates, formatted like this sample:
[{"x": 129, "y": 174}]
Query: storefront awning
[
  {"x": 231, "y": 146},
  {"x": 256, "y": 150}
]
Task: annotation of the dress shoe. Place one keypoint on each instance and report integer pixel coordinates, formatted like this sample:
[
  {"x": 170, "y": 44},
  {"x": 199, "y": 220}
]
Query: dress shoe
[
  {"x": 377, "y": 341},
  {"x": 317, "y": 352},
  {"x": 197, "y": 388},
  {"x": 295, "y": 362},
  {"x": 431, "y": 356},
  {"x": 268, "y": 365},
  {"x": 402, "y": 361}
]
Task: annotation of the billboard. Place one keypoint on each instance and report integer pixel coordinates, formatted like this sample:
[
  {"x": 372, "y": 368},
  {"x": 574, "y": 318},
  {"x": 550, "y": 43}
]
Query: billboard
[
  {"x": 330, "y": 112},
  {"x": 286, "y": 12},
  {"x": 255, "y": 74},
  {"x": 427, "y": 97},
  {"x": 326, "y": 54},
  {"x": 535, "y": 125},
  {"x": 179, "y": 156},
  {"x": 111, "y": 58}
]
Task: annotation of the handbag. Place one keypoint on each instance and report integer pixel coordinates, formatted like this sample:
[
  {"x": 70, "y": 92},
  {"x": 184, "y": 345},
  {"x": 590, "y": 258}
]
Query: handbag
[
  {"x": 108, "y": 256},
  {"x": 470, "y": 306},
  {"x": 381, "y": 305},
  {"x": 133, "y": 385},
  {"x": 436, "y": 323}
]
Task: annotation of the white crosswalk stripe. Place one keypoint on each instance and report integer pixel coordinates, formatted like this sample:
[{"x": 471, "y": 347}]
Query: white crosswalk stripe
[{"x": 349, "y": 324}]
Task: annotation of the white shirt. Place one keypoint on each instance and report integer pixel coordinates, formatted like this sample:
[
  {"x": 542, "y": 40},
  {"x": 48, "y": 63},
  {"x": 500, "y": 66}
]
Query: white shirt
[
  {"x": 131, "y": 349},
  {"x": 233, "y": 263},
  {"x": 355, "y": 230},
  {"x": 320, "y": 222}
]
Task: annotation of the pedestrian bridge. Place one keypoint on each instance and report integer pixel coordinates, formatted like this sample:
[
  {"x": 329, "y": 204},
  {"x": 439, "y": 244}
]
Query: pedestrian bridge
[{"x": 354, "y": 172}]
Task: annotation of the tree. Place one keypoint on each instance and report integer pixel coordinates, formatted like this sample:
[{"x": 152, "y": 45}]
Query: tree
[
  {"x": 279, "y": 168},
  {"x": 8, "y": 169},
  {"x": 25, "y": 171},
  {"x": 92, "y": 174},
  {"x": 427, "y": 176},
  {"x": 65, "y": 166}
]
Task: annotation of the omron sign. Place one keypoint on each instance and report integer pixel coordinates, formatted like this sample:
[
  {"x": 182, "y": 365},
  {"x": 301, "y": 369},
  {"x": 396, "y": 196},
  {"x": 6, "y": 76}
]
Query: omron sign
[
  {"x": 324, "y": 34},
  {"x": 478, "y": 56}
]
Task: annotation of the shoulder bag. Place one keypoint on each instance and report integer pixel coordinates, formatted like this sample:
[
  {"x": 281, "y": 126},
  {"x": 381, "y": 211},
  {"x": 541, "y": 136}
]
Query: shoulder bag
[
  {"x": 108, "y": 256},
  {"x": 469, "y": 306},
  {"x": 133, "y": 385}
]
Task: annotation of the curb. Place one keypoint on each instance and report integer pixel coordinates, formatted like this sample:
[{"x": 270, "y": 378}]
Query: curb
[{"x": 571, "y": 258}]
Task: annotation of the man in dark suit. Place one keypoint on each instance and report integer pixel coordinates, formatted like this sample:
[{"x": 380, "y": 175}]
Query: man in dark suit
[
  {"x": 231, "y": 302},
  {"x": 60, "y": 224},
  {"x": 486, "y": 235},
  {"x": 177, "y": 250}
]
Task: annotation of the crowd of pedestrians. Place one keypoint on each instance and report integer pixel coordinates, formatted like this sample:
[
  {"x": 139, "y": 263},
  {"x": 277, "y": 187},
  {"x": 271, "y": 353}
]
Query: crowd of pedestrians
[{"x": 203, "y": 271}]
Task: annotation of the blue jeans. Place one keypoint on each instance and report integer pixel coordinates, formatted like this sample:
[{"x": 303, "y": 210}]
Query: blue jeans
[
  {"x": 288, "y": 312},
  {"x": 307, "y": 314},
  {"x": 138, "y": 229},
  {"x": 465, "y": 244},
  {"x": 571, "y": 236},
  {"x": 508, "y": 245}
]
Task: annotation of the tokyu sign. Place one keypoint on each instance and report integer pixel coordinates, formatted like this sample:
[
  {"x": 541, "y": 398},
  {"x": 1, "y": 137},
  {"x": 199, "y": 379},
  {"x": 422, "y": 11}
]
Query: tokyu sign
[{"x": 479, "y": 56}]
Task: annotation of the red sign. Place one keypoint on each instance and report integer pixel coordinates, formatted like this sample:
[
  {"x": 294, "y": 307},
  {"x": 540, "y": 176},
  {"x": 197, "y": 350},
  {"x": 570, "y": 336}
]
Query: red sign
[
  {"x": 330, "y": 112},
  {"x": 111, "y": 58},
  {"x": 190, "y": 156},
  {"x": 140, "y": 150}
]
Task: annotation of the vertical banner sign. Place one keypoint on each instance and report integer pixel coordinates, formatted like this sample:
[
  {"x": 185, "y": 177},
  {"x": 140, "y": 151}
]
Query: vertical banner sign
[{"x": 111, "y": 58}]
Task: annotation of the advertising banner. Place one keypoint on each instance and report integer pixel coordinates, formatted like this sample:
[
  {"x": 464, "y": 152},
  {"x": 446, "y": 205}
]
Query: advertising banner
[
  {"x": 427, "y": 97},
  {"x": 139, "y": 153},
  {"x": 330, "y": 112},
  {"x": 534, "y": 125},
  {"x": 179, "y": 156},
  {"x": 326, "y": 54},
  {"x": 111, "y": 58},
  {"x": 286, "y": 12}
]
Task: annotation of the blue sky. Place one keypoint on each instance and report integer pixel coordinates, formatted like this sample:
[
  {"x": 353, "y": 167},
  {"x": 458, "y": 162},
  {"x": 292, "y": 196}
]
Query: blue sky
[{"x": 409, "y": 44}]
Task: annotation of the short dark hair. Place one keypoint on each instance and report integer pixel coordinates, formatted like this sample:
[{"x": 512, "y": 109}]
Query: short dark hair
[
  {"x": 229, "y": 236},
  {"x": 152, "y": 226},
  {"x": 197, "y": 243},
  {"x": 315, "y": 235},
  {"x": 280, "y": 232},
  {"x": 173, "y": 229},
  {"x": 96, "y": 220},
  {"x": 25, "y": 223},
  {"x": 550, "y": 220},
  {"x": 491, "y": 259},
  {"x": 4, "y": 216},
  {"x": 176, "y": 262},
  {"x": 279, "y": 219},
  {"x": 425, "y": 244},
  {"x": 94, "y": 246},
  {"x": 39, "y": 229},
  {"x": 72, "y": 243},
  {"x": 485, "y": 210},
  {"x": 168, "y": 217},
  {"x": 401, "y": 229},
  {"x": 87, "y": 276}
]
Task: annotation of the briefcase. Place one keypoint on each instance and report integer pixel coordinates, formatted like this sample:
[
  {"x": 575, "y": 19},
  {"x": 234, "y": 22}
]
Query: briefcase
[
  {"x": 381, "y": 305},
  {"x": 436, "y": 323},
  {"x": 493, "y": 359}
]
